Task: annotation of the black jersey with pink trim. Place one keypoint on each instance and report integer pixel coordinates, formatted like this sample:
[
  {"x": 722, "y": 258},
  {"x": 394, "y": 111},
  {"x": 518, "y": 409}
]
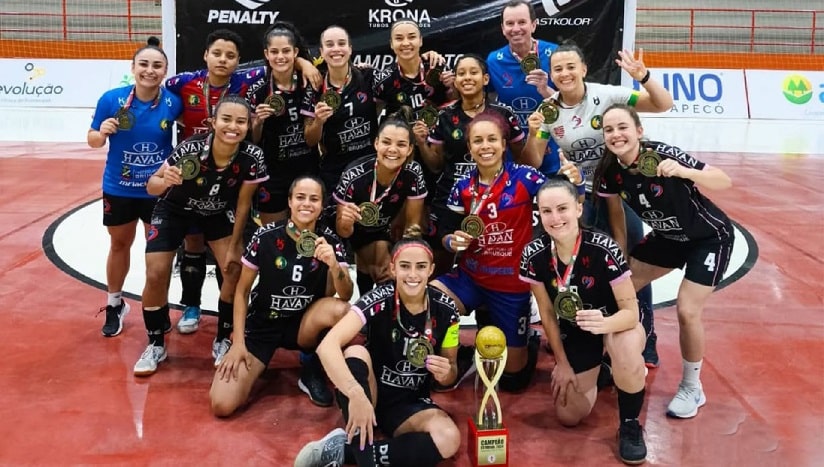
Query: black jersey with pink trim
[
  {"x": 600, "y": 264},
  {"x": 213, "y": 190},
  {"x": 282, "y": 139},
  {"x": 672, "y": 206},
  {"x": 392, "y": 330},
  {"x": 287, "y": 282},
  {"x": 394, "y": 89},
  {"x": 355, "y": 186},
  {"x": 350, "y": 132},
  {"x": 492, "y": 258},
  {"x": 450, "y": 131}
]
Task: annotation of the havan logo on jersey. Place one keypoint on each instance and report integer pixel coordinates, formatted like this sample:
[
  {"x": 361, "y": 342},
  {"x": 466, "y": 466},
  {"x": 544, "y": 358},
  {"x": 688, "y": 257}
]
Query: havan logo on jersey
[
  {"x": 610, "y": 245},
  {"x": 404, "y": 376},
  {"x": 143, "y": 155},
  {"x": 676, "y": 154},
  {"x": 207, "y": 206},
  {"x": 294, "y": 299},
  {"x": 355, "y": 127}
]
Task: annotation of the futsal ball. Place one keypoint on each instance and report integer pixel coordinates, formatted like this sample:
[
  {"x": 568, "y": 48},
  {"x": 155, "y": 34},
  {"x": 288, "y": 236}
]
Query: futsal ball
[{"x": 490, "y": 342}]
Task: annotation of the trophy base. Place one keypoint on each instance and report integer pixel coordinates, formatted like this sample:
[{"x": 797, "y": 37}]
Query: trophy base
[{"x": 488, "y": 447}]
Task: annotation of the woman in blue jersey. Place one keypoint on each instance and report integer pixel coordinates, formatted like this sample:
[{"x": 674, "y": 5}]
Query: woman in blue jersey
[
  {"x": 577, "y": 130},
  {"x": 137, "y": 122},
  {"x": 661, "y": 183}
]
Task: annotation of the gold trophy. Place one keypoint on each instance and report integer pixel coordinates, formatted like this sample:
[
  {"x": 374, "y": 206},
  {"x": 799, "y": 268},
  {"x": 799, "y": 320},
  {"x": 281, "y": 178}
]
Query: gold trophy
[{"x": 488, "y": 436}]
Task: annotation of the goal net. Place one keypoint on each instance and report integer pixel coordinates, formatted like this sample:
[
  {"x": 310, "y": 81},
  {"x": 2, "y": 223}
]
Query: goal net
[
  {"x": 737, "y": 34},
  {"x": 81, "y": 29}
]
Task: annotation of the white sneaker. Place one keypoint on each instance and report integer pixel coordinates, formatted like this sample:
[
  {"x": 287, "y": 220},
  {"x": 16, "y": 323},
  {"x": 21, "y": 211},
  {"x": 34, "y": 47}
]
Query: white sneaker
[
  {"x": 147, "y": 363},
  {"x": 189, "y": 321},
  {"x": 219, "y": 349},
  {"x": 325, "y": 452},
  {"x": 686, "y": 402}
]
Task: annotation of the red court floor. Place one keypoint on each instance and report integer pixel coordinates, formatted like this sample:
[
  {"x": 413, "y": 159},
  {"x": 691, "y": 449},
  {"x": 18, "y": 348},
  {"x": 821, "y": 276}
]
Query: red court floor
[{"x": 68, "y": 396}]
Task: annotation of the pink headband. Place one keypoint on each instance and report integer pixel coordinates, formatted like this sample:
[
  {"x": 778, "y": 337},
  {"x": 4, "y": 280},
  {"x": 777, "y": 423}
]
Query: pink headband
[{"x": 410, "y": 245}]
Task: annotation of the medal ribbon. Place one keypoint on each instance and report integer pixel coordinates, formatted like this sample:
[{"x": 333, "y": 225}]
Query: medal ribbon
[
  {"x": 273, "y": 81},
  {"x": 477, "y": 202},
  {"x": 209, "y": 108},
  {"x": 563, "y": 282},
  {"x": 292, "y": 231},
  {"x": 411, "y": 332},
  {"x": 129, "y": 100},
  {"x": 375, "y": 184},
  {"x": 518, "y": 57},
  {"x": 421, "y": 75},
  {"x": 327, "y": 85}
]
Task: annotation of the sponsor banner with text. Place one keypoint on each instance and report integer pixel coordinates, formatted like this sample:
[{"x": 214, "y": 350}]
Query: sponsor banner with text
[
  {"x": 449, "y": 27},
  {"x": 59, "y": 83},
  {"x": 698, "y": 93},
  {"x": 791, "y": 95}
]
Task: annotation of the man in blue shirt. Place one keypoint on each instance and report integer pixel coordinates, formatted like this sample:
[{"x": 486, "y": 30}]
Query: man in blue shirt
[{"x": 511, "y": 73}]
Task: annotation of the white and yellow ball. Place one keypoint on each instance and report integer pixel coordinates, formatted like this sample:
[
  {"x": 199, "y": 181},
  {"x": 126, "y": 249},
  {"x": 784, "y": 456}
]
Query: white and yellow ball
[{"x": 490, "y": 342}]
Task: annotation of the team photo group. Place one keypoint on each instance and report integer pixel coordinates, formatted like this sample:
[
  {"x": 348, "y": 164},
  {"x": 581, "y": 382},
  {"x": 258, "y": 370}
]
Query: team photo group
[{"x": 355, "y": 214}]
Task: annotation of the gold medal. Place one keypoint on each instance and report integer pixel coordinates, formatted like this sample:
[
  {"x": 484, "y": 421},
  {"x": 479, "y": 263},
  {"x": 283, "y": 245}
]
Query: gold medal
[
  {"x": 648, "y": 163},
  {"x": 418, "y": 350},
  {"x": 125, "y": 119},
  {"x": 189, "y": 166},
  {"x": 530, "y": 62},
  {"x": 306, "y": 243},
  {"x": 332, "y": 99},
  {"x": 473, "y": 225},
  {"x": 549, "y": 110},
  {"x": 370, "y": 213},
  {"x": 567, "y": 305},
  {"x": 429, "y": 115},
  {"x": 277, "y": 103},
  {"x": 433, "y": 76}
]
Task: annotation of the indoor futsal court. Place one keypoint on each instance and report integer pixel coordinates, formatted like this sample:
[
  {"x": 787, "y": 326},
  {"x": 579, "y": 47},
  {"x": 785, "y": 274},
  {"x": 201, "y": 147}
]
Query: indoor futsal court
[{"x": 68, "y": 395}]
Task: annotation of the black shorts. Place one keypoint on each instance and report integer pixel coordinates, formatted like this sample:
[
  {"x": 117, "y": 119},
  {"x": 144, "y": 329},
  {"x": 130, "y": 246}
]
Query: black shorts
[
  {"x": 281, "y": 333},
  {"x": 360, "y": 239},
  {"x": 584, "y": 350},
  {"x": 169, "y": 228},
  {"x": 705, "y": 260},
  {"x": 120, "y": 210},
  {"x": 272, "y": 196},
  {"x": 392, "y": 415}
]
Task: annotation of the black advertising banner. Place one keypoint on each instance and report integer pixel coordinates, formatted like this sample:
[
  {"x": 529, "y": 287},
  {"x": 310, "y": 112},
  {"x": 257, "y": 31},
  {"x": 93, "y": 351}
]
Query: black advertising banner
[{"x": 451, "y": 27}]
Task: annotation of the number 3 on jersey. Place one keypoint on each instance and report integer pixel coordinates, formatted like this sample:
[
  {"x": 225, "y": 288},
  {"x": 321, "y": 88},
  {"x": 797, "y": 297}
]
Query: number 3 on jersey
[{"x": 492, "y": 210}]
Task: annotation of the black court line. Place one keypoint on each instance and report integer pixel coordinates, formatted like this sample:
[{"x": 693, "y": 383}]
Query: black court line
[{"x": 48, "y": 249}]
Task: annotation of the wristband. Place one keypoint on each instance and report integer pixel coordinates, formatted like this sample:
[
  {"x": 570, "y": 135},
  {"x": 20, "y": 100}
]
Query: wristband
[
  {"x": 644, "y": 80},
  {"x": 449, "y": 243},
  {"x": 541, "y": 134}
]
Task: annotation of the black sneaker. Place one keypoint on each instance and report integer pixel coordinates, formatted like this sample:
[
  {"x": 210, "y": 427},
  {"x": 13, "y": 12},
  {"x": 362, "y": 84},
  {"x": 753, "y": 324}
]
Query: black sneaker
[
  {"x": 631, "y": 446},
  {"x": 115, "y": 315},
  {"x": 313, "y": 382},
  {"x": 651, "y": 352},
  {"x": 466, "y": 368}
]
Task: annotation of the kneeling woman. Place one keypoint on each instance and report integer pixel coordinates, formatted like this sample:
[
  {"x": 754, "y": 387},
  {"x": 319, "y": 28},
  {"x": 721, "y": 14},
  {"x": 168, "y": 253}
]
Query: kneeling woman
[
  {"x": 206, "y": 177},
  {"x": 413, "y": 339},
  {"x": 582, "y": 285},
  {"x": 301, "y": 265},
  {"x": 661, "y": 184}
]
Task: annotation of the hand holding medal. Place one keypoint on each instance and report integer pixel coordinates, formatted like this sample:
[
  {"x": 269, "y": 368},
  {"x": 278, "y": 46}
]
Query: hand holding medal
[
  {"x": 172, "y": 176},
  {"x": 671, "y": 168},
  {"x": 324, "y": 252}
]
